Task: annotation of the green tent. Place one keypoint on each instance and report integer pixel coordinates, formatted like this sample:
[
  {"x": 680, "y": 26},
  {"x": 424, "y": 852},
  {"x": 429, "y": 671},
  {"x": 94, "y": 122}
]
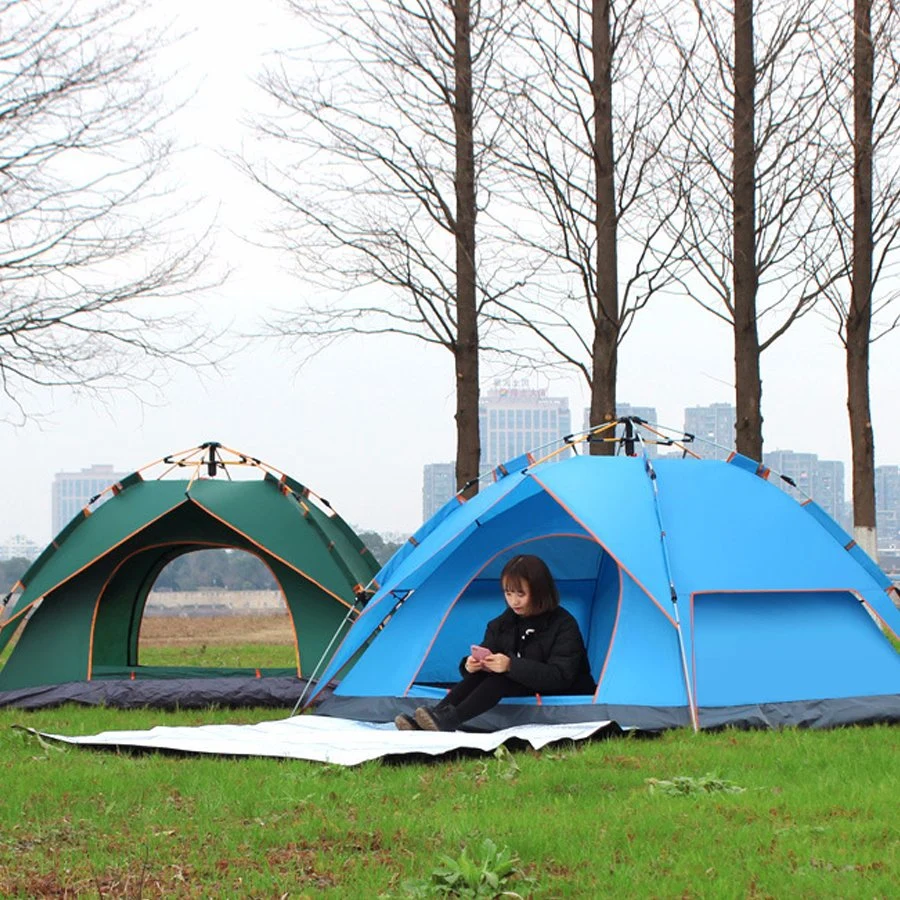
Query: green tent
[{"x": 82, "y": 601}]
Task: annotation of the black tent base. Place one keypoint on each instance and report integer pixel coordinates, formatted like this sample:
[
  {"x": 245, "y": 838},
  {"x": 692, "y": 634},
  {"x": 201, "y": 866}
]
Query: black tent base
[
  {"x": 168, "y": 693},
  {"x": 833, "y": 713},
  {"x": 509, "y": 715}
]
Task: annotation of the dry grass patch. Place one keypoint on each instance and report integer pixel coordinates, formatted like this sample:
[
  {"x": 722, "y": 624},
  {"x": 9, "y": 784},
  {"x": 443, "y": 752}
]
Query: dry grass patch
[{"x": 175, "y": 631}]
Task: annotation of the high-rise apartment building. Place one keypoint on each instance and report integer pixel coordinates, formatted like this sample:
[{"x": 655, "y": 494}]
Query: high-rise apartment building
[
  {"x": 887, "y": 504},
  {"x": 511, "y": 421},
  {"x": 72, "y": 491},
  {"x": 829, "y": 490},
  {"x": 821, "y": 479},
  {"x": 799, "y": 467},
  {"x": 713, "y": 428},
  {"x": 438, "y": 486},
  {"x": 514, "y": 420}
]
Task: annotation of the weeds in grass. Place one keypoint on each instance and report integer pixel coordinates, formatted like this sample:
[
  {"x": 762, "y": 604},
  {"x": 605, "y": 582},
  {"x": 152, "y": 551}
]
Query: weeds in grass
[
  {"x": 504, "y": 767},
  {"x": 682, "y": 785},
  {"x": 487, "y": 874}
]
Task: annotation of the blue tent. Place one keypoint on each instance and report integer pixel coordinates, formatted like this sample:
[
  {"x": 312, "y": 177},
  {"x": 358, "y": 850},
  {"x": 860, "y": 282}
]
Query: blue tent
[{"x": 705, "y": 595}]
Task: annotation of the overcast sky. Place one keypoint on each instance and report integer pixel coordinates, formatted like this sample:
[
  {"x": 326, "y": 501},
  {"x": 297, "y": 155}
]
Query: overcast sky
[{"x": 358, "y": 423}]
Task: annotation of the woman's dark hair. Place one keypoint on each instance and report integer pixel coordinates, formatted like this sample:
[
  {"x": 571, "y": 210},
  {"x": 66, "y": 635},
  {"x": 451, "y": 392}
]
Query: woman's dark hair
[{"x": 532, "y": 571}]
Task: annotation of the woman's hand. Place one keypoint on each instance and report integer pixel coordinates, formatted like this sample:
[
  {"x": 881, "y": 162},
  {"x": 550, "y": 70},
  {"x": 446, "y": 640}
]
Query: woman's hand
[
  {"x": 473, "y": 665},
  {"x": 496, "y": 662}
]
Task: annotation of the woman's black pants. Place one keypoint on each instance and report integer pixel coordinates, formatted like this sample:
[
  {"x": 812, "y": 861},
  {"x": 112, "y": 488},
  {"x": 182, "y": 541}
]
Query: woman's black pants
[{"x": 479, "y": 691}]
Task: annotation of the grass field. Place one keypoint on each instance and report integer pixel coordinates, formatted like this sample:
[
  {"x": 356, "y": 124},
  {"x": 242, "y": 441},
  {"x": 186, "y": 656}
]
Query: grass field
[
  {"x": 733, "y": 814},
  {"x": 231, "y": 641}
]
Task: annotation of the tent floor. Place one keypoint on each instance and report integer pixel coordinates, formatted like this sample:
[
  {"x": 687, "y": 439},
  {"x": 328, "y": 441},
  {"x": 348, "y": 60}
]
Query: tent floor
[
  {"x": 829, "y": 713},
  {"x": 141, "y": 673},
  {"x": 163, "y": 693}
]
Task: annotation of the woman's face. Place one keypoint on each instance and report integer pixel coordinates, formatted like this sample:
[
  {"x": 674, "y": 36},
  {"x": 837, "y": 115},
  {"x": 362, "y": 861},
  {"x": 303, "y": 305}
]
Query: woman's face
[{"x": 518, "y": 597}]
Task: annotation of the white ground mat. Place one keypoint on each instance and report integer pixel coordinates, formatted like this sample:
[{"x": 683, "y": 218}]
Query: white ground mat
[{"x": 325, "y": 739}]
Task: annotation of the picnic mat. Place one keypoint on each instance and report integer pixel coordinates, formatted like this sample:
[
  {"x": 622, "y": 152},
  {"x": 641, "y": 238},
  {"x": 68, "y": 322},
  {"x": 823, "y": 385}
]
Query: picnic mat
[{"x": 325, "y": 739}]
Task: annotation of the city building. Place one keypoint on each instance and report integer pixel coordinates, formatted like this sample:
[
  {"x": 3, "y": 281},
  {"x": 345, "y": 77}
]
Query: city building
[
  {"x": 438, "y": 486},
  {"x": 887, "y": 505},
  {"x": 19, "y": 547},
  {"x": 830, "y": 491},
  {"x": 713, "y": 428},
  {"x": 72, "y": 491},
  {"x": 514, "y": 420},
  {"x": 821, "y": 479},
  {"x": 799, "y": 467}
]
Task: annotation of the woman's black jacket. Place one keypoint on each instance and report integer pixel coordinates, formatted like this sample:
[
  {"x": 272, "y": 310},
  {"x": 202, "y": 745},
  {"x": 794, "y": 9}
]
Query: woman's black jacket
[{"x": 546, "y": 652}]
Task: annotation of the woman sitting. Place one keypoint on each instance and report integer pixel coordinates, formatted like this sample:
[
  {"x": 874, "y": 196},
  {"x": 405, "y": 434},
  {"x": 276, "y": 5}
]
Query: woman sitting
[{"x": 534, "y": 647}]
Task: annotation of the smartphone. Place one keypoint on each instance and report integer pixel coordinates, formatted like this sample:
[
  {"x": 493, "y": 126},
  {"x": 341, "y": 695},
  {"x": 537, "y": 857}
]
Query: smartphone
[{"x": 479, "y": 652}]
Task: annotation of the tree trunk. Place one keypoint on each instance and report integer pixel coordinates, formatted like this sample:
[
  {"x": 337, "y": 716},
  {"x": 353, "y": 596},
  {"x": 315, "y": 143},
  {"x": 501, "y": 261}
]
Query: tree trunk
[
  {"x": 606, "y": 328},
  {"x": 859, "y": 316},
  {"x": 747, "y": 382},
  {"x": 468, "y": 443}
]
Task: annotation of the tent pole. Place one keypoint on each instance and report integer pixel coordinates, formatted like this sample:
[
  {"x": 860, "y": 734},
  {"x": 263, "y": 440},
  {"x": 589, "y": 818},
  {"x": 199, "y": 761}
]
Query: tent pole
[
  {"x": 375, "y": 628},
  {"x": 673, "y": 593},
  {"x": 325, "y": 655}
]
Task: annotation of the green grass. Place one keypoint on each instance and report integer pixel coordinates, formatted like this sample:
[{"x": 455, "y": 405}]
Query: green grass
[
  {"x": 212, "y": 655},
  {"x": 228, "y": 655},
  {"x": 817, "y": 816},
  {"x": 620, "y": 818}
]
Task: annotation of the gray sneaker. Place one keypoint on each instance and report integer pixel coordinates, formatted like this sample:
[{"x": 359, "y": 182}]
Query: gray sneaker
[
  {"x": 436, "y": 719},
  {"x": 406, "y": 723}
]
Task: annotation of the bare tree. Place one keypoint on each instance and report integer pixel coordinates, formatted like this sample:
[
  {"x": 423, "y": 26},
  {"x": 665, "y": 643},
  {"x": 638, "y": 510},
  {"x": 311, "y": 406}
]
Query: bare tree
[
  {"x": 591, "y": 109},
  {"x": 863, "y": 198},
  {"x": 859, "y": 315},
  {"x": 386, "y": 178},
  {"x": 89, "y": 241},
  {"x": 750, "y": 168}
]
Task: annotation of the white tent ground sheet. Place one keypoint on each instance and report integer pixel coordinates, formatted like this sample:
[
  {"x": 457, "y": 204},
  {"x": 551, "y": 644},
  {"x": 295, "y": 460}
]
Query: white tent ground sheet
[{"x": 325, "y": 739}]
